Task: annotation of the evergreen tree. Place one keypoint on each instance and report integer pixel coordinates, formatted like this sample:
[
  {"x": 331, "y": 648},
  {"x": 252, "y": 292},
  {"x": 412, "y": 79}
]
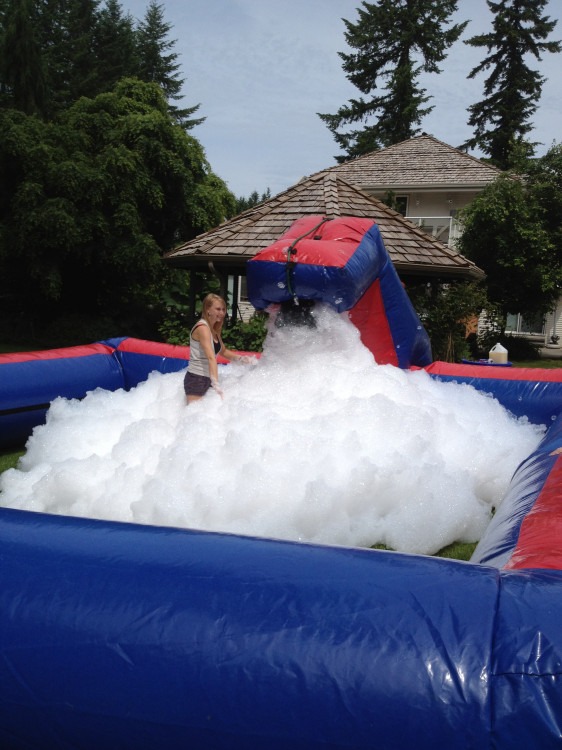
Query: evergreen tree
[
  {"x": 82, "y": 72},
  {"x": 254, "y": 199},
  {"x": 395, "y": 41},
  {"x": 64, "y": 46},
  {"x": 22, "y": 79},
  {"x": 55, "y": 51},
  {"x": 115, "y": 46},
  {"x": 67, "y": 29},
  {"x": 512, "y": 90},
  {"x": 51, "y": 25},
  {"x": 158, "y": 63}
]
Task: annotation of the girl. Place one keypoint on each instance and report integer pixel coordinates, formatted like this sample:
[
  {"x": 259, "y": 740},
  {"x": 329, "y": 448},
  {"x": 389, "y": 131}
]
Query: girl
[{"x": 205, "y": 345}]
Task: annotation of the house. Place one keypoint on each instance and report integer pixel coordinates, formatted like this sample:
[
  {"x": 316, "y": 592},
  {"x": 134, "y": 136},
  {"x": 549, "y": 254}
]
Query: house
[
  {"x": 427, "y": 180},
  {"x": 224, "y": 250},
  {"x": 430, "y": 182}
]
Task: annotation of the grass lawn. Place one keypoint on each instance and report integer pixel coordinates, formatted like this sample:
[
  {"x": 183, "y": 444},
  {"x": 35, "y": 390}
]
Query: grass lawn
[
  {"x": 9, "y": 460},
  {"x": 11, "y": 348},
  {"x": 545, "y": 364}
]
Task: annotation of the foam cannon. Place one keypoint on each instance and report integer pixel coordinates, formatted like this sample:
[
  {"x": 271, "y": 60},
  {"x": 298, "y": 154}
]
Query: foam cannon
[{"x": 343, "y": 263}]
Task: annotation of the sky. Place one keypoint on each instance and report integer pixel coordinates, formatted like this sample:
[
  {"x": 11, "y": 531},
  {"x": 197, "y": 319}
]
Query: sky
[{"x": 261, "y": 70}]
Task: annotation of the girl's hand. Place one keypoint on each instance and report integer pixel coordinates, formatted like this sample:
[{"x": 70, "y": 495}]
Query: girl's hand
[{"x": 216, "y": 387}]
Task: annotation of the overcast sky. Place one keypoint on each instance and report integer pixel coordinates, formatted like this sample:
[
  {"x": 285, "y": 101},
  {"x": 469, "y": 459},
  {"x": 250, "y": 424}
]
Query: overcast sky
[{"x": 262, "y": 69}]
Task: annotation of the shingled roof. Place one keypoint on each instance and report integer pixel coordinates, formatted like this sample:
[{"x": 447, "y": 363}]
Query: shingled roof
[
  {"x": 422, "y": 162},
  {"x": 228, "y": 246}
]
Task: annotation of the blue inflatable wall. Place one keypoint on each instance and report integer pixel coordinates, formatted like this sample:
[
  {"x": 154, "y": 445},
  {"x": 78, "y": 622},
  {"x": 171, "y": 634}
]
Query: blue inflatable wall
[
  {"x": 526, "y": 392},
  {"x": 29, "y": 381},
  {"x": 126, "y": 636}
]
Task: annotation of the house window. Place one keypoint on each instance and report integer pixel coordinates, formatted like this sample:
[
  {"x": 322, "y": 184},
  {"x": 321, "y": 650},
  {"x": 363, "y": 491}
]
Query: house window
[
  {"x": 401, "y": 204},
  {"x": 243, "y": 289},
  {"x": 517, "y": 323}
]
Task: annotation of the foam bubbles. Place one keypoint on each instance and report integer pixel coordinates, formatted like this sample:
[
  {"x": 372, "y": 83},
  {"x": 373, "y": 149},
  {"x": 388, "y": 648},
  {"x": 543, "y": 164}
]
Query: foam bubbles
[{"x": 314, "y": 443}]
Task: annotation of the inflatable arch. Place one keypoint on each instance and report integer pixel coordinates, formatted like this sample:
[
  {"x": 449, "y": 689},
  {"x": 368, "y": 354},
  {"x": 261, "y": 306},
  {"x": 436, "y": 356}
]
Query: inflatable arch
[{"x": 125, "y": 636}]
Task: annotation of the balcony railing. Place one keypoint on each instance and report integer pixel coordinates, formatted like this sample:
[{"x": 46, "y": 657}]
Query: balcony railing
[{"x": 446, "y": 229}]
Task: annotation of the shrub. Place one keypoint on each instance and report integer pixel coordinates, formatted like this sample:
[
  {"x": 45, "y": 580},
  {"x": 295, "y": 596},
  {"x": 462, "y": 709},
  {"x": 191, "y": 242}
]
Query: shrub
[
  {"x": 518, "y": 348},
  {"x": 247, "y": 337},
  {"x": 445, "y": 311},
  {"x": 76, "y": 329}
]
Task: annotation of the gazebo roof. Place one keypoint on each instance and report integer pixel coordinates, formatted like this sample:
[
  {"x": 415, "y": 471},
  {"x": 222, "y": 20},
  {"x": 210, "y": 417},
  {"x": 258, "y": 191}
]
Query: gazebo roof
[{"x": 226, "y": 248}]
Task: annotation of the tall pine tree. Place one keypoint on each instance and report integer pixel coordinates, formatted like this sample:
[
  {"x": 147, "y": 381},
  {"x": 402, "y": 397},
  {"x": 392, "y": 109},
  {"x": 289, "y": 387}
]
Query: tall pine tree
[
  {"x": 115, "y": 45},
  {"x": 53, "y": 52},
  {"x": 512, "y": 90},
  {"x": 67, "y": 42},
  {"x": 22, "y": 69},
  {"x": 158, "y": 62},
  {"x": 395, "y": 41}
]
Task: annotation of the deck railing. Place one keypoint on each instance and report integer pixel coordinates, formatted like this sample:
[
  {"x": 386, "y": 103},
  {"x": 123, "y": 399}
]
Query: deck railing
[{"x": 446, "y": 229}]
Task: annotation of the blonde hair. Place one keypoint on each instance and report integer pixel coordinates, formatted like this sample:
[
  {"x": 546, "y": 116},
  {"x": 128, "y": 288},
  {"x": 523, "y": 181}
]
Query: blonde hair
[{"x": 208, "y": 302}]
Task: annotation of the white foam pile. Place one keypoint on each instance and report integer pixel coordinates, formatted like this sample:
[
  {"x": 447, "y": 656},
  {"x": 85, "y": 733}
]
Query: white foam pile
[{"x": 315, "y": 443}]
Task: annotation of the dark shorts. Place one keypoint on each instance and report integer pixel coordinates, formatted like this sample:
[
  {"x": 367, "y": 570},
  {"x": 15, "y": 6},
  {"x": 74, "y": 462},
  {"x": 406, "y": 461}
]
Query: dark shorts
[{"x": 196, "y": 385}]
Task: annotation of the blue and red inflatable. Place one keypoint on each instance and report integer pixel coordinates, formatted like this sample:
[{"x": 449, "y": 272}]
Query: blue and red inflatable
[
  {"x": 124, "y": 636},
  {"x": 343, "y": 263}
]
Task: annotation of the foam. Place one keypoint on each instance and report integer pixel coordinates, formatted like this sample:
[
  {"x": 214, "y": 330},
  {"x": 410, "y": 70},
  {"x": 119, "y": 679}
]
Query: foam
[{"x": 313, "y": 443}]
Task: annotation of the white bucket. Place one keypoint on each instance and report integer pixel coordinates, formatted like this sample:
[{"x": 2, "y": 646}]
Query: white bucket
[{"x": 498, "y": 355}]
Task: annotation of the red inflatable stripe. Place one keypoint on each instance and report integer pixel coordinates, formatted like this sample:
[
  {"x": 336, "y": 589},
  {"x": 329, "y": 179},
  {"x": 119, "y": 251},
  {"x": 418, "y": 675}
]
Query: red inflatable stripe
[
  {"x": 369, "y": 317},
  {"x": 156, "y": 349},
  {"x": 69, "y": 352},
  {"x": 538, "y": 545},
  {"x": 494, "y": 372}
]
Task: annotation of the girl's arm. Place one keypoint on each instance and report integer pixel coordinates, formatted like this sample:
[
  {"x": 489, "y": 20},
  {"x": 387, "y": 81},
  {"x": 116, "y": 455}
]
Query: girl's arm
[
  {"x": 229, "y": 354},
  {"x": 234, "y": 356}
]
